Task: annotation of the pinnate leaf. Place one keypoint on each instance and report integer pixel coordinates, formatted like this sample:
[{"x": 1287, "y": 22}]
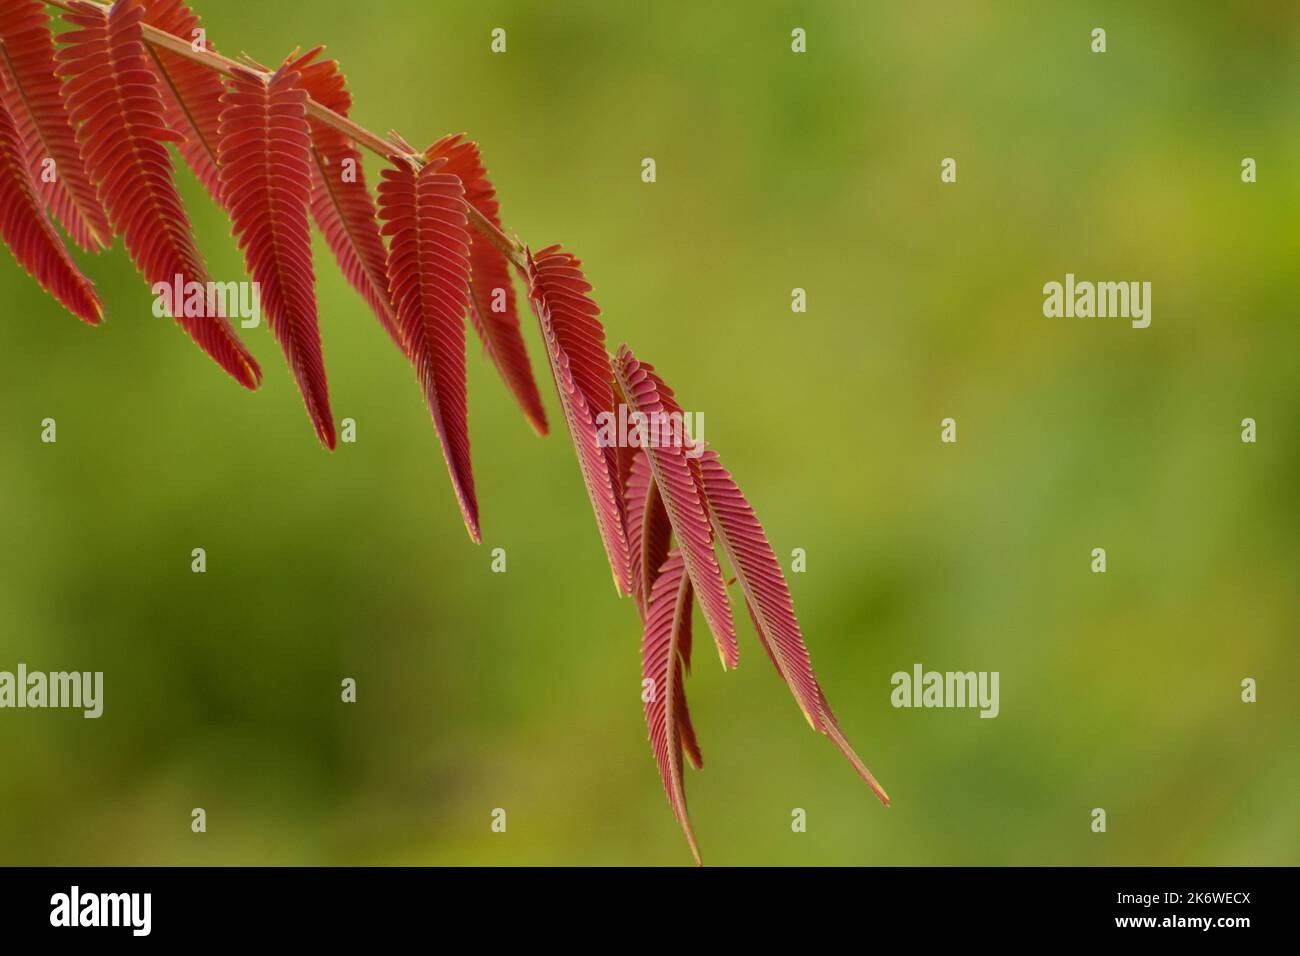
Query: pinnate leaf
[
  {"x": 29, "y": 234},
  {"x": 423, "y": 211},
  {"x": 649, "y": 532},
  {"x": 32, "y": 93},
  {"x": 768, "y": 597},
  {"x": 115, "y": 104},
  {"x": 575, "y": 349},
  {"x": 490, "y": 282},
  {"x": 265, "y": 161},
  {"x": 340, "y": 201},
  {"x": 678, "y": 484},
  {"x": 667, "y": 624}
]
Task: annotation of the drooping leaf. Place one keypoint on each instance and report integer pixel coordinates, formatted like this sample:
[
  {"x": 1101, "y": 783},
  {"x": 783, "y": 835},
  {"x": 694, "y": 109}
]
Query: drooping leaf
[
  {"x": 32, "y": 94},
  {"x": 424, "y": 218},
  {"x": 30, "y": 236},
  {"x": 492, "y": 308},
  {"x": 770, "y": 606},
  {"x": 661, "y": 665},
  {"x": 670, "y": 464},
  {"x": 625, "y": 455},
  {"x": 684, "y": 725},
  {"x": 340, "y": 202},
  {"x": 575, "y": 349},
  {"x": 116, "y": 107},
  {"x": 265, "y": 160},
  {"x": 648, "y": 529},
  {"x": 191, "y": 93}
]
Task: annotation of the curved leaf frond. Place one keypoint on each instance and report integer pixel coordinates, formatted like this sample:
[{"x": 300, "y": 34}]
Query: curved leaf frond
[
  {"x": 30, "y": 236},
  {"x": 116, "y": 107},
  {"x": 679, "y": 487},
  {"x": 32, "y": 94},
  {"x": 666, "y": 626},
  {"x": 575, "y": 348},
  {"x": 428, "y": 271},
  {"x": 649, "y": 531},
  {"x": 265, "y": 161},
  {"x": 770, "y": 606},
  {"x": 492, "y": 308},
  {"x": 340, "y": 201}
]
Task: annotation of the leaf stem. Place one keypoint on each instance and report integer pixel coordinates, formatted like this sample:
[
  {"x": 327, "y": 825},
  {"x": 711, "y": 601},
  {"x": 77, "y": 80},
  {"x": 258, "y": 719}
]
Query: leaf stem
[{"x": 160, "y": 39}]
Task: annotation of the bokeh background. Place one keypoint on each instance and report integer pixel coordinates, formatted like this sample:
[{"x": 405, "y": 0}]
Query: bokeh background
[{"x": 775, "y": 170}]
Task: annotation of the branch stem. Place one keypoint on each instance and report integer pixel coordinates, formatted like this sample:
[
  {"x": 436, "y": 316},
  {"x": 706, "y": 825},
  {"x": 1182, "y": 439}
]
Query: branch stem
[{"x": 385, "y": 148}]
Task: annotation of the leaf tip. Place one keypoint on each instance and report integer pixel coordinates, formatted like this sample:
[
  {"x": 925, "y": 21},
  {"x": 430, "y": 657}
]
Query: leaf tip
[
  {"x": 539, "y": 424},
  {"x": 249, "y": 373}
]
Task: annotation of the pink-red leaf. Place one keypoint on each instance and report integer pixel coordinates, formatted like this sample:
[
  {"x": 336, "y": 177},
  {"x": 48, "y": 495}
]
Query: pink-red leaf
[
  {"x": 768, "y": 598},
  {"x": 669, "y": 618},
  {"x": 115, "y": 104},
  {"x": 36, "y": 106},
  {"x": 30, "y": 236},
  {"x": 265, "y": 161},
  {"x": 648, "y": 529},
  {"x": 679, "y": 487},
  {"x": 492, "y": 308},
  {"x": 191, "y": 92},
  {"x": 575, "y": 348},
  {"x": 428, "y": 269},
  {"x": 340, "y": 202}
]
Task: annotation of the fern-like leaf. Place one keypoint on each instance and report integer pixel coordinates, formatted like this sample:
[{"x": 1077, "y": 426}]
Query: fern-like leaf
[
  {"x": 32, "y": 94},
  {"x": 648, "y": 530},
  {"x": 29, "y": 234},
  {"x": 113, "y": 98},
  {"x": 575, "y": 349},
  {"x": 679, "y": 487},
  {"x": 191, "y": 93},
  {"x": 666, "y": 624},
  {"x": 770, "y": 606},
  {"x": 490, "y": 282},
  {"x": 424, "y": 218},
  {"x": 265, "y": 161},
  {"x": 686, "y": 730},
  {"x": 340, "y": 202}
]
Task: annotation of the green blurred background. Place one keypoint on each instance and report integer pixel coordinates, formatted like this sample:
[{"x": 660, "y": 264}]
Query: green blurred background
[{"x": 775, "y": 170}]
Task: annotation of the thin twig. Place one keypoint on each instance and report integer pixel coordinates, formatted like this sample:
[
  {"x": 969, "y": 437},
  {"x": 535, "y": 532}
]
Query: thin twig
[{"x": 359, "y": 134}]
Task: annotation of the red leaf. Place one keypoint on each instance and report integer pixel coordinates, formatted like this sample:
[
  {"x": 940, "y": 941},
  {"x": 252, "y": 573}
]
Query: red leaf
[
  {"x": 685, "y": 729},
  {"x": 191, "y": 92},
  {"x": 575, "y": 348},
  {"x": 340, "y": 201},
  {"x": 115, "y": 104},
  {"x": 265, "y": 161},
  {"x": 679, "y": 487},
  {"x": 30, "y": 236},
  {"x": 428, "y": 270},
  {"x": 768, "y": 598},
  {"x": 37, "y": 109},
  {"x": 648, "y": 528},
  {"x": 669, "y": 619},
  {"x": 490, "y": 282}
]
